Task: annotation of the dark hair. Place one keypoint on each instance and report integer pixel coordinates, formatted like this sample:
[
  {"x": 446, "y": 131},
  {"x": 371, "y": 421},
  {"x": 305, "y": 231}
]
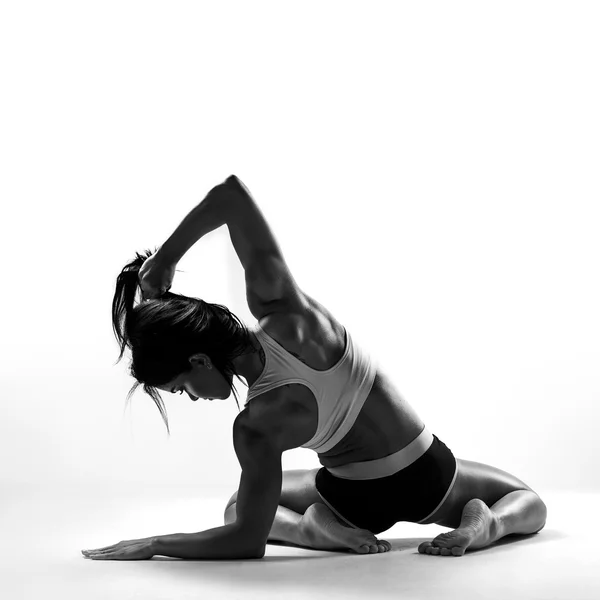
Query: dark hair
[{"x": 163, "y": 333}]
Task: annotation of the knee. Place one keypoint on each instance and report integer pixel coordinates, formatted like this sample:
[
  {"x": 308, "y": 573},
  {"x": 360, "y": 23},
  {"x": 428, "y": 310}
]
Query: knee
[
  {"x": 230, "y": 514},
  {"x": 231, "y": 501},
  {"x": 542, "y": 512}
]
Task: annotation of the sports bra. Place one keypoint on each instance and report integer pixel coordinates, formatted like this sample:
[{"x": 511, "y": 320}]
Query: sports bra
[{"x": 340, "y": 391}]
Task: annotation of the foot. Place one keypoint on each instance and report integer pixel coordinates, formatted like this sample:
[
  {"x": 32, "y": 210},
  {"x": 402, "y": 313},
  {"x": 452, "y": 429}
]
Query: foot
[
  {"x": 478, "y": 528},
  {"x": 323, "y": 531}
]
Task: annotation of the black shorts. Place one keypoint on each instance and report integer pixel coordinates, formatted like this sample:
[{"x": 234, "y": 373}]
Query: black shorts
[{"x": 412, "y": 494}]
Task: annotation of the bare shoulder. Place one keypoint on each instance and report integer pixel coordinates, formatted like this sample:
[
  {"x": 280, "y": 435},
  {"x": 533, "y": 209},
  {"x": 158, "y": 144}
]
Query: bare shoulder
[
  {"x": 277, "y": 416},
  {"x": 288, "y": 414},
  {"x": 309, "y": 324}
]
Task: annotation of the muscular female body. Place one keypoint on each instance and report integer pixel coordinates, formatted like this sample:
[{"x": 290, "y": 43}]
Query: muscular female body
[{"x": 310, "y": 385}]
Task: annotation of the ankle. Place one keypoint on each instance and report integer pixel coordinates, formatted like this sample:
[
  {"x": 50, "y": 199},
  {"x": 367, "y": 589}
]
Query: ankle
[
  {"x": 497, "y": 527},
  {"x": 306, "y": 533}
]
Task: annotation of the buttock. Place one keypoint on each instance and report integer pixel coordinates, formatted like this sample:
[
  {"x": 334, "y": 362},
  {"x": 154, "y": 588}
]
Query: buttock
[{"x": 411, "y": 494}]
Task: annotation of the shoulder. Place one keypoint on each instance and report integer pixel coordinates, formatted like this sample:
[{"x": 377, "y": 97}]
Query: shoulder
[
  {"x": 314, "y": 335},
  {"x": 275, "y": 417},
  {"x": 291, "y": 326},
  {"x": 284, "y": 326}
]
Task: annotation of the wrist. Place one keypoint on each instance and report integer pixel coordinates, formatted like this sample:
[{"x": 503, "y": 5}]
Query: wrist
[
  {"x": 166, "y": 255},
  {"x": 154, "y": 544}
]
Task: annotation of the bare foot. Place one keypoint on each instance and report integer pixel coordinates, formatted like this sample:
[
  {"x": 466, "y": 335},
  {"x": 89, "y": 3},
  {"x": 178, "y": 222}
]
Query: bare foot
[
  {"x": 478, "y": 528},
  {"x": 323, "y": 531}
]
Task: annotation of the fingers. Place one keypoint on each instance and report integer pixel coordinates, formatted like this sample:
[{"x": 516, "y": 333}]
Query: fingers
[
  {"x": 100, "y": 551},
  {"x": 100, "y": 554},
  {"x": 103, "y": 549},
  {"x": 151, "y": 294},
  {"x": 91, "y": 554},
  {"x": 96, "y": 552}
]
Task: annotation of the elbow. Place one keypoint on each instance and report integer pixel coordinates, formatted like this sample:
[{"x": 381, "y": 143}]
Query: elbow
[
  {"x": 247, "y": 544},
  {"x": 253, "y": 553},
  {"x": 257, "y": 552}
]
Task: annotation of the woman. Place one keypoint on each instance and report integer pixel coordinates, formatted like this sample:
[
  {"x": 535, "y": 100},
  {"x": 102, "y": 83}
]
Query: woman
[{"x": 311, "y": 386}]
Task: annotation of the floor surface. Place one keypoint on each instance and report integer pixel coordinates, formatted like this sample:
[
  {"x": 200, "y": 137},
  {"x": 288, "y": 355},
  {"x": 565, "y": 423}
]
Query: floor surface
[{"x": 43, "y": 531}]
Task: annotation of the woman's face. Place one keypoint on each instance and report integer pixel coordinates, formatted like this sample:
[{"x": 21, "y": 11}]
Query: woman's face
[{"x": 203, "y": 381}]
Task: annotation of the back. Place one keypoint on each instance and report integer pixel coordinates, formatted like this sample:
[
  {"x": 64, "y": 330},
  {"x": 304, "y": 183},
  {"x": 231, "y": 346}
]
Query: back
[
  {"x": 383, "y": 423},
  {"x": 339, "y": 391}
]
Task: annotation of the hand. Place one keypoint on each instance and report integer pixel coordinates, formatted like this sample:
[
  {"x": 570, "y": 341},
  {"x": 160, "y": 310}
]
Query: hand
[
  {"x": 142, "y": 549},
  {"x": 156, "y": 276}
]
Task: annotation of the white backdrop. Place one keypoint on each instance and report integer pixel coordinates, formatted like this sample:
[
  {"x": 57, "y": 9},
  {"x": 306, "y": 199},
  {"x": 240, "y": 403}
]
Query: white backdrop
[{"x": 429, "y": 169}]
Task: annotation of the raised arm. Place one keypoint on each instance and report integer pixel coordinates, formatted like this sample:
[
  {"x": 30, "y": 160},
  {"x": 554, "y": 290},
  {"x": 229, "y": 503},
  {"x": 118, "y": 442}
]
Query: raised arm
[{"x": 270, "y": 286}]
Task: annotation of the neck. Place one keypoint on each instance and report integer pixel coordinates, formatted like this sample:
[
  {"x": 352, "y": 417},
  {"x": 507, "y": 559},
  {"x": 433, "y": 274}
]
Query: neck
[{"x": 249, "y": 365}]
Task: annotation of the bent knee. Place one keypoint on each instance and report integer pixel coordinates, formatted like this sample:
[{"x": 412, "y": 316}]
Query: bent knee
[
  {"x": 230, "y": 514},
  {"x": 232, "y": 500},
  {"x": 543, "y": 512}
]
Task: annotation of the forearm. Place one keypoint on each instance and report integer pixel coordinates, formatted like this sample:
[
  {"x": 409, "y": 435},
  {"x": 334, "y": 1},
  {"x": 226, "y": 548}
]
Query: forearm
[
  {"x": 209, "y": 215},
  {"x": 225, "y": 542}
]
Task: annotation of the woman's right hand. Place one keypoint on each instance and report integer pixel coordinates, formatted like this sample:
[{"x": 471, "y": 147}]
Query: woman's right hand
[{"x": 156, "y": 276}]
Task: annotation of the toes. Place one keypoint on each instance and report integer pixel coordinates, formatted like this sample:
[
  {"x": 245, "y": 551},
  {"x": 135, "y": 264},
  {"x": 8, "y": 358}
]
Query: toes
[
  {"x": 428, "y": 548},
  {"x": 377, "y": 547},
  {"x": 423, "y": 547}
]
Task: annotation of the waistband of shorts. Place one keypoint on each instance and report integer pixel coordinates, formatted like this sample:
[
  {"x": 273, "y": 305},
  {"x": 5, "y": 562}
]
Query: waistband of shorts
[{"x": 388, "y": 465}]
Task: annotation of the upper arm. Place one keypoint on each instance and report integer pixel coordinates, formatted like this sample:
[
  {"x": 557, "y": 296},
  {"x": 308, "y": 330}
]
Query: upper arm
[
  {"x": 270, "y": 286},
  {"x": 260, "y": 483},
  {"x": 271, "y": 424}
]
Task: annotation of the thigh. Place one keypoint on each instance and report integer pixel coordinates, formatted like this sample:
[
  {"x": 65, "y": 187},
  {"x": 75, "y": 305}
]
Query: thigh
[
  {"x": 475, "y": 480},
  {"x": 298, "y": 490}
]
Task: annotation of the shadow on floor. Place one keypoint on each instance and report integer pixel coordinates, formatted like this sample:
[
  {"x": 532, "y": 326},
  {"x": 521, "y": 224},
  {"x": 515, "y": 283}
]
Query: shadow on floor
[{"x": 398, "y": 545}]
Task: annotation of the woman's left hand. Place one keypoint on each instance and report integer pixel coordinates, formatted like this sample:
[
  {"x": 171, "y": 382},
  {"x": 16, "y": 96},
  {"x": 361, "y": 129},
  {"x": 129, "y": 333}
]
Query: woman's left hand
[
  {"x": 141, "y": 549},
  {"x": 156, "y": 276}
]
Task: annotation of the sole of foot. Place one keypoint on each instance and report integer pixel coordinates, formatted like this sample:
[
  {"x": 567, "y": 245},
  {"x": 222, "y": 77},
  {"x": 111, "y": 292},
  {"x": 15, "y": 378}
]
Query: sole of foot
[
  {"x": 323, "y": 531},
  {"x": 478, "y": 528}
]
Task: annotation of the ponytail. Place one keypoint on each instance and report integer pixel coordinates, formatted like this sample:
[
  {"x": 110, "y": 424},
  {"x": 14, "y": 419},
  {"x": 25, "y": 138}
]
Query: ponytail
[
  {"x": 162, "y": 334},
  {"x": 124, "y": 298}
]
